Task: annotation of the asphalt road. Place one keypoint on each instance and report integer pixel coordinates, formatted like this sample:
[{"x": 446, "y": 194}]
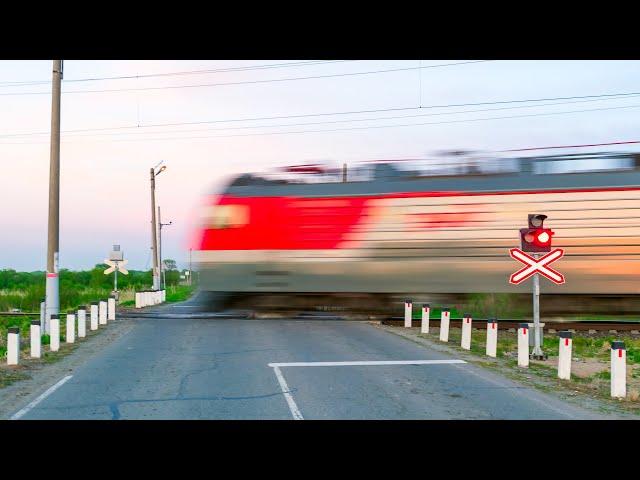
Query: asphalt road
[{"x": 195, "y": 368}]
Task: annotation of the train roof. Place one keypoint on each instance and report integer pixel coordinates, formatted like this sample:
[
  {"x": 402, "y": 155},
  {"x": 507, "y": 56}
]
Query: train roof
[{"x": 605, "y": 170}]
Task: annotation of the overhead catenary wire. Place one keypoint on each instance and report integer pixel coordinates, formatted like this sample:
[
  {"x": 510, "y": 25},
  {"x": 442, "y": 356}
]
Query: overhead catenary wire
[
  {"x": 322, "y": 114},
  {"x": 372, "y": 126},
  {"x": 247, "y": 82},
  {"x": 19, "y": 83}
]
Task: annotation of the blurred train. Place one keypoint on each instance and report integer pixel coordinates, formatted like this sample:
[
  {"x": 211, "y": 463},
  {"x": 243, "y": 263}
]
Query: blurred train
[{"x": 406, "y": 227}]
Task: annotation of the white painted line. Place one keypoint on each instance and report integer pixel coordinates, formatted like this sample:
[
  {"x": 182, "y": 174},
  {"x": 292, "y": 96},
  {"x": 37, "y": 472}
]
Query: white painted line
[
  {"x": 49, "y": 391},
  {"x": 366, "y": 363},
  {"x": 285, "y": 390}
]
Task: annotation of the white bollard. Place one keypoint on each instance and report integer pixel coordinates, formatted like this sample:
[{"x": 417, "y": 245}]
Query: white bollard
[
  {"x": 13, "y": 346},
  {"x": 465, "y": 341},
  {"x": 523, "y": 345},
  {"x": 35, "y": 336},
  {"x": 111, "y": 308},
  {"x": 164, "y": 295},
  {"x": 71, "y": 327},
  {"x": 618, "y": 370},
  {"x": 424, "y": 326},
  {"x": 102, "y": 312},
  {"x": 564, "y": 355},
  {"x": 138, "y": 299},
  {"x": 145, "y": 298},
  {"x": 492, "y": 337},
  {"x": 82, "y": 322},
  {"x": 408, "y": 311},
  {"x": 94, "y": 315},
  {"x": 54, "y": 325},
  {"x": 444, "y": 325},
  {"x": 42, "y": 313}
]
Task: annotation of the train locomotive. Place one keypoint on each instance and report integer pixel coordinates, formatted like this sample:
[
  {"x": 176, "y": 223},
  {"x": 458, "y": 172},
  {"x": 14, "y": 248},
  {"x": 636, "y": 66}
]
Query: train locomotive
[{"x": 390, "y": 228}]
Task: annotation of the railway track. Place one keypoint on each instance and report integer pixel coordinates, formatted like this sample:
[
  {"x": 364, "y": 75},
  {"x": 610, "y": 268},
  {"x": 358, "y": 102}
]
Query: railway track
[
  {"x": 586, "y": 325},
  {"x": 632, "y": 325}
]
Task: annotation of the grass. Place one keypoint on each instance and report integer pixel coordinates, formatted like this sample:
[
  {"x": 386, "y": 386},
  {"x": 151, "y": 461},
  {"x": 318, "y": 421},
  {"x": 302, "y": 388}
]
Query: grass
[{"x": 596, "y": 348}]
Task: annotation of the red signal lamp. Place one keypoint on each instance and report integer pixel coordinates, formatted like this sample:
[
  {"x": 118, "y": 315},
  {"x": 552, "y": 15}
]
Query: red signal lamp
[{"x": 536, "y": 239}]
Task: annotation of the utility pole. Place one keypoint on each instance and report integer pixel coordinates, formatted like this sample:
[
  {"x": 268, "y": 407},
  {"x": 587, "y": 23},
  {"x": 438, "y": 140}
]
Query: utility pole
[
  {"x": 154, "y": 233},
  {"x": 344, "y": 172},
  {"x": 52, "y": 296},
  {"x": 162, "y": 269}
]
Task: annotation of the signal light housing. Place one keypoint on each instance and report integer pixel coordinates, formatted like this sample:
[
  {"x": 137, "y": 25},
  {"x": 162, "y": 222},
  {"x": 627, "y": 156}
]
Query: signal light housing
[{"x": 536, "y": 240}]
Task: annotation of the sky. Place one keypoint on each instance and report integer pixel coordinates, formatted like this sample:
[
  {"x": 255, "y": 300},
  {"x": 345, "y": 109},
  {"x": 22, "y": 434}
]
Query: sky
[{"x": 104, "y": 192}]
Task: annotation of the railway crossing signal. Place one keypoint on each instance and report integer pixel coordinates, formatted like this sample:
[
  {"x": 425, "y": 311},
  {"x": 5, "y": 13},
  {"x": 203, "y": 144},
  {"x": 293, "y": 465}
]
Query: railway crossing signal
[
  {"x": 536, "y": 239},
  {"x": 116, "y": 264},
  {"x": 534, "y": 266}
]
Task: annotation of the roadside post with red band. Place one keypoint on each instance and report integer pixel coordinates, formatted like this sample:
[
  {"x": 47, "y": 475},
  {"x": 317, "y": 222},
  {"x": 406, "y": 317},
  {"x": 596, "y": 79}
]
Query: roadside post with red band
[
  {"x": 492, "y": 337},
  {"x": 523, "y": 345},
  {"x": 94, "y": 315},
  {"x": 444, "y": 325},
  {"x": 13, "y": 346},
  {"x": 534, "y": 266},
  {"x": 70, "y": 335},
  {"x": 564, "y": 355},
  {"x": 465, "y": 341},
  {"x": 424, "y": 325},
  {"x": 408, "y": 311},
  {"x": 102, "y": 312},
  {"x": 618, "y": 370},
  {"x": 54, "y": 338}
]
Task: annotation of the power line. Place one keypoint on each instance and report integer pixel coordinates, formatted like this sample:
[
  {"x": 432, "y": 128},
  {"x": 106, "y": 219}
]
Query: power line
[
  {"x": 248, "y": 82},
  {"x": 373, "y": 127},
  {"x": 190, "y": 72},
  {"x": 612, "y": 96},
  {"x": 370, "y": 119}
]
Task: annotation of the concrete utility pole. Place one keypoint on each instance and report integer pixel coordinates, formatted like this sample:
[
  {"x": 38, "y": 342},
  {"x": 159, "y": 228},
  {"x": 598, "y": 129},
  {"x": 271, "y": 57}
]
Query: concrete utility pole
[
  {"x": 52, "y": 295},
  {"x": 154, "y": 233},
  {"x": 162, "y": 269}
]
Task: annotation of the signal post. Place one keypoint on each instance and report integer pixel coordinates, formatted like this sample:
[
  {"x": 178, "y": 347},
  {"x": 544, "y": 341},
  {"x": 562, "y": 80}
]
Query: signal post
[{"x": 536, "y": 240}]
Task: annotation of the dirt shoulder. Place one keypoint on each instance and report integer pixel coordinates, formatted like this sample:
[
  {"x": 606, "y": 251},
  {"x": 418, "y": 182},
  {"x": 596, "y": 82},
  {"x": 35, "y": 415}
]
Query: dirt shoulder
[
  {"x": 24, "y": 382},
  {"x": 584, "y": 390}
]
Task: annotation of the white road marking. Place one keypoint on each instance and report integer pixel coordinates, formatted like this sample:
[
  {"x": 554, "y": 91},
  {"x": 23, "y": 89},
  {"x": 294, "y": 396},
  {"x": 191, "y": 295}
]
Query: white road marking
[
  {"x": 48, "y": 392},
  {"x": 290, "y": 401},
  {"x": 365, "y": 363},
  {"x": 295, "y": 411}
]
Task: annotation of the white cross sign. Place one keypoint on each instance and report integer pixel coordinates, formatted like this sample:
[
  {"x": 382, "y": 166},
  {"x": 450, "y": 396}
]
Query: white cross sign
[
  {"x": 536, "y": 266},
  {"x": 116, "y": 265}
]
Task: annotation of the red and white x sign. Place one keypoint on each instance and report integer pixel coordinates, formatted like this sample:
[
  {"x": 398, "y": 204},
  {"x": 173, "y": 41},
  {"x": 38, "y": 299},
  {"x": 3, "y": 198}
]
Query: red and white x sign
[{"x": 536, "y": 266}]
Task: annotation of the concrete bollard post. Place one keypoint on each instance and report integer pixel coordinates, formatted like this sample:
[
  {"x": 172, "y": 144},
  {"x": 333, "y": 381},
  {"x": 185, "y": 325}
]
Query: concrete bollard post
[
  {"x": 564, "y": 355},
  {"x": 138, "y": 303},
  {"x": 111, "y": 308},
  {"x": 35, "y": 337},
  {"x": 523, "y": 345},
  {"x": 102, "y": 312},
  {"x": 618, "y": 370},
  {"x": 94, "y": 315},
  {"x": 54, "y": 342},
  {"x": 42, "y": 315},
  {"x": 492, "y": 337},
  {"x": 82, "y": 322},
  {"x": 465, "y": 341},
  {"x": 444, "y": 325},
  {"x": 408, "y": 312},
  {"x": 13, "y": 346},
  {"x": 424, "y": 326},
  {"x": 164, "y": 295},
  {"x": 145, "y": 298},
  {"x": 71, "y": 327}
]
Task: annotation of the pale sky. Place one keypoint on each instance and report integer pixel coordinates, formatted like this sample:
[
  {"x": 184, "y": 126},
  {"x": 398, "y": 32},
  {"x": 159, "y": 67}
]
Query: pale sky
[{"x": 105, "y": 173}]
